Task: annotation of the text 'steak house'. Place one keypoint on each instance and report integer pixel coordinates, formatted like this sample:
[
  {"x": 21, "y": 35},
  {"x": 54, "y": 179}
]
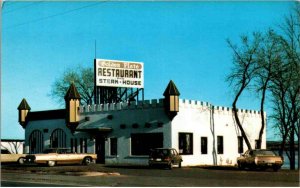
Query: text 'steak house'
[{"x": 123, "y": 132}]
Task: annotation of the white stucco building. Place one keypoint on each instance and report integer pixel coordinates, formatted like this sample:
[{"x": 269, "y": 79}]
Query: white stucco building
[
  {"x": 12, "y": 145},
  {"x": 122, "y": 134}
]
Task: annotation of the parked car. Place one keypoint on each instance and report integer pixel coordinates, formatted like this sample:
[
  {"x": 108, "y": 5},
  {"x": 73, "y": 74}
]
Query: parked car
[
  {"x": 164, "y": 157},
  {"x": 260, "y": 158},
  {"x": 7, "y": 157},
  {"x": 56, "y": 156}
]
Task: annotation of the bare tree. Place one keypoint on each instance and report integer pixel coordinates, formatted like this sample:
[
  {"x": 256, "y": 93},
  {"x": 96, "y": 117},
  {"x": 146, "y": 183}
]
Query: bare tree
[
  {"x": 285, "y": 93},
  {"x": 290, "y": 42},
  {"x": 13, "y": 146},
  {"x": 271, "y": 63},
  {"x": 285, "y": 87},
  {"x": 83, "y": 78},
  {"x": 243, "y": 71},
  {"x": 268, "y": 54}
]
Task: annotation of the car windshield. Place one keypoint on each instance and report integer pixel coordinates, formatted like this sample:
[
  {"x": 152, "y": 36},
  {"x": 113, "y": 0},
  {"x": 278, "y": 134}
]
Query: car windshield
[
  {"x": 64, "y": 150},
  {"x": 57, "y": 150},
  {"x": 263, "y": 153},
  {"x": 50, "y": 151},
  {"x": 4, "y": 151},
  {"x": 160, "y": 152}
]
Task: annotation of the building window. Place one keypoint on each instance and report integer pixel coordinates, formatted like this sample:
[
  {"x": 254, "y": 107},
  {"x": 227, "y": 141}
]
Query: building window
[
  {"x": 141, "y": 143},
  {"x": 113, "y": 146},
  {"x": 203, "y": 145},
  {"x": 36, "y": 142},
  {"x": 85, "y": 145},
  {"x": 220, "y": 146},
  {"x": 72, "y": 145},
  {"x": 58, "y": 139},
  {"x": 75, "y": 145},
  {"x": 186, "y": 143},
  {"x": 240, "y": 144},
  {"x": 81, "y": 145}
]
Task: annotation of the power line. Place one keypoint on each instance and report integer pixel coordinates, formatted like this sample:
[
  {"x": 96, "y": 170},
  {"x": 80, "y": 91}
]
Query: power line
[
  {"x": 54, "y": 15},
  {"x": 18, "y": 8}
]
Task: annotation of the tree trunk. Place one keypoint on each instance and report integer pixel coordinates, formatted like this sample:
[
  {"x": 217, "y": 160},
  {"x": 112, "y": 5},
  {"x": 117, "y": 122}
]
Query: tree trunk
[
  {"x": 292, "y": 149},
  {"x": 236, "y": 117},
  {"x": 282, "y": 145},
  {"x": 298, "y": 146},
  {"x": 262, "y": 115}
]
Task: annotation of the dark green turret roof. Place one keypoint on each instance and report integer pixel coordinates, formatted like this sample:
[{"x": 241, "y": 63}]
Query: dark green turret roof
[
  {"x": 72, "y": 93},
  {"x": 171, "y": 89},
  {"x": 24, "y": 105}
]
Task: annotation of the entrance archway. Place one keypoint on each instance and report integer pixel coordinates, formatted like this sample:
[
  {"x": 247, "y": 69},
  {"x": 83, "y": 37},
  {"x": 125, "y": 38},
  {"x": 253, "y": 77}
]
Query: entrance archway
[
  {"x": 36, "y": 142},
  {"x": 58, "y": 139}
]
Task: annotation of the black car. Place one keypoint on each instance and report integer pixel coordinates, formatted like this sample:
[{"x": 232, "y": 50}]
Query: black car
[{"x": 164, "y": 157}]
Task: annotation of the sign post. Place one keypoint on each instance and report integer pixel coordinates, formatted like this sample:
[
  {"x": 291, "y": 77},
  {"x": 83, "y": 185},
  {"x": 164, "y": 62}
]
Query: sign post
[
  {"x": 112, "y": 73},
  {"x": 115, "y": 80}
]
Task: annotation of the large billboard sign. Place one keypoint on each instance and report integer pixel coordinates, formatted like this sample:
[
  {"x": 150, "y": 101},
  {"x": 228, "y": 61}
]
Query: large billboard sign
[{"x": 114, "y": 73}]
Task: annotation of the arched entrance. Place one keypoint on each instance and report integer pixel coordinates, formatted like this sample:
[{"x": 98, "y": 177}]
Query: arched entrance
[
  {"x": 58, "y": 139},
  {"x": 36, "y": 142}
]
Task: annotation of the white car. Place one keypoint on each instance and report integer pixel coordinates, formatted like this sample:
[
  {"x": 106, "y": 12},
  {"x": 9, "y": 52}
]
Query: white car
[
  {"x": 55, "y": 156},
  {"x": 260, "y": 158},
  {"x": 7, "y": 157}
]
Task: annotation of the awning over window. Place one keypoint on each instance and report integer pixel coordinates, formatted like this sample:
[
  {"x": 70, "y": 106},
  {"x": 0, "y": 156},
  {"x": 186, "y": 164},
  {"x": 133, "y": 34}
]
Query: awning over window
[
  {"x": 92, "y": 130},
  {"x": 95, "y": 126}
]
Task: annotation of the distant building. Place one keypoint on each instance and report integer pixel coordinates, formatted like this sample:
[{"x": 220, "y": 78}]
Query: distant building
[
  {"x": 123, "y": 133},
  {"x": 13, "y": 145},
  {"x": 275, "y": 145}
]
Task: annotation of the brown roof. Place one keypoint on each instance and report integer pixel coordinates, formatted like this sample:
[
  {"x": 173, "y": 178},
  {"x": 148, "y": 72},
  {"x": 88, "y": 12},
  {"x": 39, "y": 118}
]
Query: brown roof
[
  {"x": 45, "y": 115},
  {"x": 24, "y": 105},
  {"x": 171, "y": 89},
  {"x": 72, "y": 93}
]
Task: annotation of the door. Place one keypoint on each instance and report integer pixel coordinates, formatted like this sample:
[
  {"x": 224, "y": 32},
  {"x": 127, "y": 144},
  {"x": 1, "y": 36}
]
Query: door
[{"x": 100, "y": 149}]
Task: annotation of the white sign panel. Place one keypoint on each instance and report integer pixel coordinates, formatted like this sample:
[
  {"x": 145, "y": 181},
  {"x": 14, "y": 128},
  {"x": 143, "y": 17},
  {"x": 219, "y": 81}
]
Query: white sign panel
[{"x": 114, "y": 73}]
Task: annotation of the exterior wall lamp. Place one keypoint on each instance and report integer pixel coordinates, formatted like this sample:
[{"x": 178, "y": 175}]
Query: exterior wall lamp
[
  {"x": 72, "y": 100},
  {"x": 171, "y": 100},
  {"x": 23, "y": 109}
]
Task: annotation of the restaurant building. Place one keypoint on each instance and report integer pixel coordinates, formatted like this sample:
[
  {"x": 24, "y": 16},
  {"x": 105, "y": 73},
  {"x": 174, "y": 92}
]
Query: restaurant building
[{"x": 123, "y": 132}]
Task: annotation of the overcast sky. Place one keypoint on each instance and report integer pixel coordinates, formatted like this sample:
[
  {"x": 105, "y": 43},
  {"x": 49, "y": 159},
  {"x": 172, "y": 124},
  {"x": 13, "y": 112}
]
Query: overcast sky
[{"x": 182, "y": 41}]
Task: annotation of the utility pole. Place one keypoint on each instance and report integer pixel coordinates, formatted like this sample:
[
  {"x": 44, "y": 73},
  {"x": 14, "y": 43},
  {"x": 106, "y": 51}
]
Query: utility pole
[{"x": 95, "y": 49}]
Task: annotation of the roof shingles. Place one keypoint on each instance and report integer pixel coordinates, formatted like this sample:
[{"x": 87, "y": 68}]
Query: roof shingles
[
  {"x": 24, "y": 105},
  {"x": 171, "y": 89},
  {"x": 72, "y": 93}
]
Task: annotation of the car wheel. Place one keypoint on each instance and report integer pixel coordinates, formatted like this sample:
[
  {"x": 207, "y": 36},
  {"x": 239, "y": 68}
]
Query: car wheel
[
  {"x": 170, "y": 165},
  {"x": 263, "y": 168},
  {"x": 51, "y": 163},
  {"x": 87, "y": 161},
  {"x": 240, "y": 166},
  {"x": 21, "y": 160},
  {"x": 150, "y": 166},
  {"x": 276, "y": 168}
]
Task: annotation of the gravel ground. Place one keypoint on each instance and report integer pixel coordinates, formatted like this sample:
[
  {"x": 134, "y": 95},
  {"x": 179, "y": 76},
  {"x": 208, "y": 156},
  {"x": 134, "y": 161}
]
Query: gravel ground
[
  {"x": 62, "y": 169},
  {"x": 143, "y": 176}
]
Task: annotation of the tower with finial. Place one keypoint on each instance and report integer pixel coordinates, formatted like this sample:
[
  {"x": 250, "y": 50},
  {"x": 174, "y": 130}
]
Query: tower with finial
[
  {"x": 23, "y": 109},
  {"x": 171, "y": 100},
  {"x": 72, "y": 99}
]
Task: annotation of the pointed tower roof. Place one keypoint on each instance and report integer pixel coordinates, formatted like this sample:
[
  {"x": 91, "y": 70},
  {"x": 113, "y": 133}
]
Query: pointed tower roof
[
  {"x": 24, "y": 105},
  {"x": 72, "y": 93},
  {"x": 171, "y": 89}
]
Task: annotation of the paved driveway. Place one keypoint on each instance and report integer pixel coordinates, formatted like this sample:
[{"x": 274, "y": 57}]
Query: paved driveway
[{"x": 99, "y": 175}]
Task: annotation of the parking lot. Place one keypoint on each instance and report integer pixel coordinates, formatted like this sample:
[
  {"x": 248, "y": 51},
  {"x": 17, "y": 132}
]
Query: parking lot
[{"x": 101, "y": 175}]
